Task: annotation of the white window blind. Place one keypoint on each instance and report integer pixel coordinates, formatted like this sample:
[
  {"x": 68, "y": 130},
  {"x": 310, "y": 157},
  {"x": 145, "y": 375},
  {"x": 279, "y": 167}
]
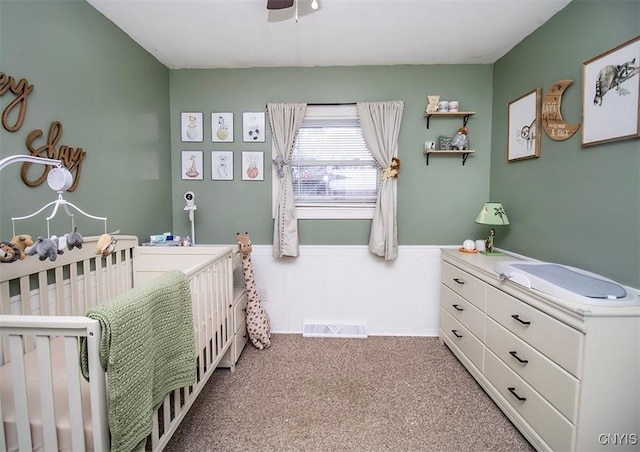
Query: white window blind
[{"x": 331, "y": 165}]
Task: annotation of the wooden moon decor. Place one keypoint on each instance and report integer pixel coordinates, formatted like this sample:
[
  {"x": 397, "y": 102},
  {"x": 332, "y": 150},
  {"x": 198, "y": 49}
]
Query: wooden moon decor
[{"x": 552, "y": 120}]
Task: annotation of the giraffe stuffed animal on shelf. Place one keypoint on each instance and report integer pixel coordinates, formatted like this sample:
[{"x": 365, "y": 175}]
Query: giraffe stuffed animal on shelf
[{"x": 257, "y": 318}]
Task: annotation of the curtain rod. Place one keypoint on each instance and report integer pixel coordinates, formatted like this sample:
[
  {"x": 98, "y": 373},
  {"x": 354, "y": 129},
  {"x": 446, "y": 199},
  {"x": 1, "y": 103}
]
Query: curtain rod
[{"x": 314, "y": 104}]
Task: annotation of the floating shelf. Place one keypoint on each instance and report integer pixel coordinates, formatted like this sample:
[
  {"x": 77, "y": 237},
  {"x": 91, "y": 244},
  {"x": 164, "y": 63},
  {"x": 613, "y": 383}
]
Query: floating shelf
[
  {"x": 451, "y": 114},
  {"x": 464, "y": 153}
]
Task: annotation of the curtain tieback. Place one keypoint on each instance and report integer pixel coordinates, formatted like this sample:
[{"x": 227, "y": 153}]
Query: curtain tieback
[
  {"x": 280, "y": 164},
  {"x": 392, "y": 171}
]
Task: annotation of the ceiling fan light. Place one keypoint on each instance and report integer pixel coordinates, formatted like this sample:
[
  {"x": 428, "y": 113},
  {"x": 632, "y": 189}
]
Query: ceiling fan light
[{"x": 314, "y": 4}]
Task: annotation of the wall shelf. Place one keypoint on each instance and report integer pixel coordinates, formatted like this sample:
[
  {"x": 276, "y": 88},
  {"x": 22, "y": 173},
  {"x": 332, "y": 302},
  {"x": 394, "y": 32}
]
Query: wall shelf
[
  {"x": 465, "y": 115},
  {"x": 465, "y": 153}
]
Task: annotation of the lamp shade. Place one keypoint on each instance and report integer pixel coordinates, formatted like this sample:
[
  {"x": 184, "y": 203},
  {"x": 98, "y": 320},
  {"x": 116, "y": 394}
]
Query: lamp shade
[{"x": 492, "y": 213}]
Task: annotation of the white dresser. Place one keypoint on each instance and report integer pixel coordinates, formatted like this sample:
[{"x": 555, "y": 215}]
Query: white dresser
[
  {"x": 566, "y": 374},
  {"x": 239, "y": 314}
]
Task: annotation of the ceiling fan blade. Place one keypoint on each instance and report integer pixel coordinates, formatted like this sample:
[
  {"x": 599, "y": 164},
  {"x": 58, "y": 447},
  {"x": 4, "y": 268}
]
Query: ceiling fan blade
[{"x": 279, "y": 4}]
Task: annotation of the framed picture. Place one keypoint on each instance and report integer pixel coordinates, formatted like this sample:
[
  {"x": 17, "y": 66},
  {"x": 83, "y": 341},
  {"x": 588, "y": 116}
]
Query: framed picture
[
  {"x": 222, "y": 127},
  {"x": 252, "y": 165},
  {"x": 524, "y": 127},
  {"x": 444, "y": 143},
  {"x": 253, "y": 127},
  {"x": 192, "y": 165},
  {"x": 221, "y": 165},
  {"x": 191, "y": 127},
  {"x": 611, "y": 84}
]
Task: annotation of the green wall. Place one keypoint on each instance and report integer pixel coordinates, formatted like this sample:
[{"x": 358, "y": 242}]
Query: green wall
[
  {"x": 111, "y": 97},
  {"x": 437, "y": 204},
  {"x": 578, "y": 206}
]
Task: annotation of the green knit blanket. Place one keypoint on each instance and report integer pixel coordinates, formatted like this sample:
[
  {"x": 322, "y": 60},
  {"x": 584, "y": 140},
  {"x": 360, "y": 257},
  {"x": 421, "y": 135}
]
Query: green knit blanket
[{"x": 148, "y": 349}]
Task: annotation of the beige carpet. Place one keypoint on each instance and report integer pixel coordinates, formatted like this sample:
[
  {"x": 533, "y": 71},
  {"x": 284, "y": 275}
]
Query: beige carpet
[{"x": 337, "y": 394}]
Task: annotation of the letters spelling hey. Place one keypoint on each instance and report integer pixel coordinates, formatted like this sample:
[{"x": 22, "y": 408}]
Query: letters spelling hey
[{"x": 70, "y": 157}]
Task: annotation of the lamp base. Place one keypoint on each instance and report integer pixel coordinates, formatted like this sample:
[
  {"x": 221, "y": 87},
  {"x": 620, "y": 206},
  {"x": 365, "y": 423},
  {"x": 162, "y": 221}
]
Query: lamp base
[{"x": 492, "y": 253}]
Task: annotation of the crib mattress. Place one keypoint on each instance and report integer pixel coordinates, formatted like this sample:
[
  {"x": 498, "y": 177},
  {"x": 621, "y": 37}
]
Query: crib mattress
[{"x": 60, "y": 390}]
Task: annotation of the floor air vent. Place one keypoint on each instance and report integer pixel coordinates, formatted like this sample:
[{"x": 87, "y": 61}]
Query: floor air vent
[{"x": 334, "y": 330}]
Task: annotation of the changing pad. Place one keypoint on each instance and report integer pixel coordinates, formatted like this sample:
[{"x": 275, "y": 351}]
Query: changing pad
[{"x": 566, "y": 282}]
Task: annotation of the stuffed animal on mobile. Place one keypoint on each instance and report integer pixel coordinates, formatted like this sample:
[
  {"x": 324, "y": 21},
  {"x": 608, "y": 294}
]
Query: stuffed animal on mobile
[
  {"x": 106, "y": 245},
  {"x": 61, "y": 241},
  {"x": 45, "y": 248},
  {"x": 22, "y": 242},
  {"x": 9, "y": 252},
  {"x": 74, "y": 239}
]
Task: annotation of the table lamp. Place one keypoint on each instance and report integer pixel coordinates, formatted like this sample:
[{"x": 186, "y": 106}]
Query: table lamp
[{"x": 493, "y": 214}]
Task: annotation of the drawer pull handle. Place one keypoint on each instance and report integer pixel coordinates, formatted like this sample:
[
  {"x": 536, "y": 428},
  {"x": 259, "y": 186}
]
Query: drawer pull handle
[
  {"x": 244, "y": 309},
  {"x": 455, "y": 333},
  {"x": 517, "y": 317},
  {"x": 520, "y": 360},
  {"x": 459, "y": 281},
  {"x": 457, "y": 308},
  {"x": 513, "y": 391}
]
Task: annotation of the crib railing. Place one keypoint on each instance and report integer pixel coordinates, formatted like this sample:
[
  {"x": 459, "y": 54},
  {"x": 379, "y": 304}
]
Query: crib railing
[
  {"x": 41, "y": 311},
  {"x": 211, "y": 285},
  {"x": 76, "y": 281},
  {"x": 63, "y": 290},
  {"x": 42, "y": 331}
]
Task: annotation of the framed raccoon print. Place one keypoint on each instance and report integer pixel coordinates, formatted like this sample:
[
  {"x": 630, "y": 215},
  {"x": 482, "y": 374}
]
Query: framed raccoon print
[{"x": 610, "y": 96}]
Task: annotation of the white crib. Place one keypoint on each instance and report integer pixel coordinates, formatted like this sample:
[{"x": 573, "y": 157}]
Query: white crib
[{"x": 45, "y": 403}]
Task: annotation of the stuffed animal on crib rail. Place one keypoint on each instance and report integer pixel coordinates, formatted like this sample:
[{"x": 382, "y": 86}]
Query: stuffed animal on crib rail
[
  {"x": 22, "y": 242},
  {"x": 45, "y": 248},
  {"x": 257, "y": 319},
  {"x": 9, "y": 252}
]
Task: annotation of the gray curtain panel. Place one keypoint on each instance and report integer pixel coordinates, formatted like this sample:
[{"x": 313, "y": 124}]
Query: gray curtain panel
[
  {"x": 285, "y": 120},
  {"x": 380, "y": 122}
]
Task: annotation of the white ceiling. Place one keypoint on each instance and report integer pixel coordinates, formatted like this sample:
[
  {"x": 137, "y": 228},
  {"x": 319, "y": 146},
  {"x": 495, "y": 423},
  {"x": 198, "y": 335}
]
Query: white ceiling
[{"x": 243, "y": 33}]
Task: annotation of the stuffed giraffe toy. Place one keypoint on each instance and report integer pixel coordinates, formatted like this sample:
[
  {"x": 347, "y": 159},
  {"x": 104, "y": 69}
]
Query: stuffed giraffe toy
[{"x": 257, "y": 318}]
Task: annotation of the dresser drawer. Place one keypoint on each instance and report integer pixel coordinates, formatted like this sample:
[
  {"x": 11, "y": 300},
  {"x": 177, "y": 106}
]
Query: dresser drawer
[
  {"x": 467, "y": 286},
  {"x": 240, "y": 310},
  {"x": 556, "y": 385},
  {"x": 239, "y": 341},
  {"x": 552, "y": 426},
  {"x": 462, "y": 337},
  {"x": 463, "y": 311},
  {"x": 559, "y": 342}
]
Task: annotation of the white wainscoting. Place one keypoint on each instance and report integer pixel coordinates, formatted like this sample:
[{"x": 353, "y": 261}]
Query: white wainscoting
[{"x": 347, "y": 284}]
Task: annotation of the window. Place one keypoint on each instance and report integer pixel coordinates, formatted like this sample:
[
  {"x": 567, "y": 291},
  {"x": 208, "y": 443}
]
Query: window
[{"x": 333, "y": 173}]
